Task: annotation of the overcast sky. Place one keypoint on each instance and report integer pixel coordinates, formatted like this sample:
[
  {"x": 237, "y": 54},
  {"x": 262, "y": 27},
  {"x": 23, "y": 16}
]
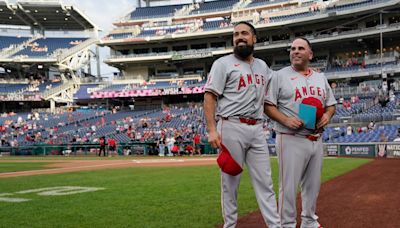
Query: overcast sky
[{"x": 103, "y": 13}]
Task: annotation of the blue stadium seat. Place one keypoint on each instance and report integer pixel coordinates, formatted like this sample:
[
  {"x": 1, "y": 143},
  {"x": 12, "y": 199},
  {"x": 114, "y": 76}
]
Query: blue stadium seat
[
  {"x": 7, "y": 41},
  {"x": 155, "y": 11},
  {"x": 44, "y": 47},
  {"x": 214, "y": 6}
]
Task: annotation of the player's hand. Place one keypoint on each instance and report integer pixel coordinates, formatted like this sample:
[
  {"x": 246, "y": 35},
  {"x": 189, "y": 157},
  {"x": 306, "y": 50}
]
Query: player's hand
[
  {"x": 293, "y": 123},
  {"x": 323, "y": 121},
  {"x": 214, "y": 139}
]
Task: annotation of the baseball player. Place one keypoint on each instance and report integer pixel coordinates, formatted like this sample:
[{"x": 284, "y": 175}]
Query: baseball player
[
  {"x": 235, "y": 95},
  {"x": 299, "y": 149}
]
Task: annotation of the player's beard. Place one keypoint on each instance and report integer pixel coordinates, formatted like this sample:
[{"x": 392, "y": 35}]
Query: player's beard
[{"x": 243, "y": 51}]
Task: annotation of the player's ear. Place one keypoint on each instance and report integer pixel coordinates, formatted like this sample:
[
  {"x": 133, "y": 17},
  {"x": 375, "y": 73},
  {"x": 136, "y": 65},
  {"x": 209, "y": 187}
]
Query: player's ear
[
  {"x": 254, "y": 39},
  {"x": 311, "y": 55}
]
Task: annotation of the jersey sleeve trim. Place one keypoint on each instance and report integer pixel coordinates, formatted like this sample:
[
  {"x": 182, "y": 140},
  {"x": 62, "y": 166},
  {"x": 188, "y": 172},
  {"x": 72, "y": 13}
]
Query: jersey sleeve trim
[
  {"x": 269, "y": 103},
  {"x": 212, "y": 91}
]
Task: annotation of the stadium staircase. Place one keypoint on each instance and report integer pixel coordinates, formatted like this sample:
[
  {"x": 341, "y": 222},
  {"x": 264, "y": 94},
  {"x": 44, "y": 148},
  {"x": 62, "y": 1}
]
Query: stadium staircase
[
  {"x": 67, "y": 53},
  {"x": 184, "y": 11},
  {"x": 10, "y": 52},
  {"x": 76, "y": 57},
  {"x": 62, "y": 93},
  {"x": 241, "y": 4}
]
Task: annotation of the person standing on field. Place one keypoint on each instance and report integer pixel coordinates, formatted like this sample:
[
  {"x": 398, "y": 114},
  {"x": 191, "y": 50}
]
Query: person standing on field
[
  {"x": 234, "y": 95},
  {"x": 299, "y": 148}
]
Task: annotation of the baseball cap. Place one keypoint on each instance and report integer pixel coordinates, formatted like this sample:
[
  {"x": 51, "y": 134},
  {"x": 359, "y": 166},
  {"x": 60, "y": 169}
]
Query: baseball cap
[
  {"x": 227, "y": 163},
  {"x": 316, "y": 103}
]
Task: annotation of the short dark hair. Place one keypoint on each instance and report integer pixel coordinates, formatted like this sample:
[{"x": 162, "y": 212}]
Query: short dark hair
[
  {"x": 253, "y": 30},
  {"x": 305, "y": 39}
]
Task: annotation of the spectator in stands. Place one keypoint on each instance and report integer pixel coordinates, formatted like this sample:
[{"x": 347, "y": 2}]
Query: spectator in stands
[
  {"x": 347, "y": 105},
  {"x": 189, "y": 150},
  {"x": 349, "y": 130},
  {"x": 371, "y": 125},
  {"x": 102, "y": 143},
  {"x": 175, "y": 149},
  {"x": 178, "y": 136},
  {"x": 397, "y": 139},
  {"x": 382, "y": 137},
  {"x": 341, "y": 99},
  {"x": 392, "y": 97},
  {"x": 161, "y": 146},
  {"x": 112, "y": 146},
  {"x": 196, "y": 143},
  {"x": 170, "y": 143},
  {"x": 383, "y": 98}
]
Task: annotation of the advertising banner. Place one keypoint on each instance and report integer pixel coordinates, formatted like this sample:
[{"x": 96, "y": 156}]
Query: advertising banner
[
  {"x": 357, "y": 150},
  {"x": 19, "y": 97},
  {"x": 393, "y": 150},
  {"x": 331, "y": 149}
]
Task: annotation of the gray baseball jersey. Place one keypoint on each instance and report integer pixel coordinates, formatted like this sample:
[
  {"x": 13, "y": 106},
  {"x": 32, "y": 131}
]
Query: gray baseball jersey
[
  {"x": 287, "y": 90},
  {"x": 300, "y": 159},
  {"x": 239, "y": 86}
]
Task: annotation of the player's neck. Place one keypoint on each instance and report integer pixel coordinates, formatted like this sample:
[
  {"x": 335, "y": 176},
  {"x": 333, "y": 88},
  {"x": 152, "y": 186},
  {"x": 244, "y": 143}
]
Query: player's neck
[
  {"x": 305, "y": 71},
  {"x": 249, "y": 59}
]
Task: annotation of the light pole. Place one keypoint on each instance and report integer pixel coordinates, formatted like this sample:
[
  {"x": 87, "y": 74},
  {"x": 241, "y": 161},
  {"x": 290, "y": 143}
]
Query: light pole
[{"x": 381, "y": 41}]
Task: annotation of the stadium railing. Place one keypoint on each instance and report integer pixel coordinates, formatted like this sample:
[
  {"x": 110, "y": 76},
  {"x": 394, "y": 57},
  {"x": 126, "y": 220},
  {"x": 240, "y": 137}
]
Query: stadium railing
[{"x": 92, "y": 149}]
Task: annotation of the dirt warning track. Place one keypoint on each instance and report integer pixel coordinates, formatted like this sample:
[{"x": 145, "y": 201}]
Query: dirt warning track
[{"x": 63, "y": 166}]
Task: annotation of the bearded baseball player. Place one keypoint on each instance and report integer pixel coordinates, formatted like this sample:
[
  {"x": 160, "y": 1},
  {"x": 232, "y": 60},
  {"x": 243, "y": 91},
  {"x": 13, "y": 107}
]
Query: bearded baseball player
[
  {"x": 299, "y": 149},
  {"x": 234, "y": 95}
]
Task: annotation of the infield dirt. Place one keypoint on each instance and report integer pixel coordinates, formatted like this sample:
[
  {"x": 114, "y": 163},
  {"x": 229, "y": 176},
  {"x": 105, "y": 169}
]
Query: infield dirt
[{"x": 367, "y": 197}]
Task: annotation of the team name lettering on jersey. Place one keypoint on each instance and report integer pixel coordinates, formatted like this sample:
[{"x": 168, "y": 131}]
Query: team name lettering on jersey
[
  {"x": 309, "y": 91},
  {"x": 259, "y": 79}
]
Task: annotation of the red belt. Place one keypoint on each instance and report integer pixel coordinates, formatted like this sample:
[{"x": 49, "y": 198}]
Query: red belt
[
  {"x": 309, "y": 137},
  {"x": 313, "y": 137},
  {"x": 248, "y": 121}
]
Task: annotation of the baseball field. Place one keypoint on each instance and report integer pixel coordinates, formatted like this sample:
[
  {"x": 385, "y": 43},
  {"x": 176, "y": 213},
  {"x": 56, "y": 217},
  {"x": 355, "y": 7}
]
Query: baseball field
[{"x": 130, "y": 192}]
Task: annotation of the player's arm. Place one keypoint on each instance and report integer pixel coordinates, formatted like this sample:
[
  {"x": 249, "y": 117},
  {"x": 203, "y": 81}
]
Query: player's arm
[
  {"x": 273, "y": 113},
  {"x": 210, "y": 101},
  {"x": 330, "y": 107},
  {"x": 326, "y": 117}
]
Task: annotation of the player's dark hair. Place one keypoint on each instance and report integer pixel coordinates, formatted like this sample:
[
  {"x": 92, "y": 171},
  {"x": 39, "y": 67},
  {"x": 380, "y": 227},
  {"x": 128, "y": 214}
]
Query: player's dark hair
[
  {"x": 253, "y": 30},
  {"x": 306, "y": 40}
]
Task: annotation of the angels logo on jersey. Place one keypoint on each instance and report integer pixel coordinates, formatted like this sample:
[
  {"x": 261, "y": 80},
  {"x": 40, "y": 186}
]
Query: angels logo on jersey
[
  {"x": 259, "y": 79},
  {"x": 306, "y": 91}
]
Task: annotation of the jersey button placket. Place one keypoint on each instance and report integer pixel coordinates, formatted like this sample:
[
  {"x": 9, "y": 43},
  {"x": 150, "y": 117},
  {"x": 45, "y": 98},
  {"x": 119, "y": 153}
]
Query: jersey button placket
[{"x": 253, "y": 86}]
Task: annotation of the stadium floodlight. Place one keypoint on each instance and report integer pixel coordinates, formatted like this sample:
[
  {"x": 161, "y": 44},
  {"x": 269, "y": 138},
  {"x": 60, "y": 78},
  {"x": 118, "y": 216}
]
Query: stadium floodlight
[{"x": 381, "y": 41}]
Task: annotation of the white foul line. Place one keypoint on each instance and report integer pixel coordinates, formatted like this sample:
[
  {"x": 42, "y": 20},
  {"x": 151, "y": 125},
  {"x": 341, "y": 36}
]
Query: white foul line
[{"x": 65, "y": 168}]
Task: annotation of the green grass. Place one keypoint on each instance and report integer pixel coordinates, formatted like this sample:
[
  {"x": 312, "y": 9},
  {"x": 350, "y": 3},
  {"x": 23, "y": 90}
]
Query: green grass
[
  {"x": 72, "y": 157},
  {"x": 135, "y": 197},
  {"x": 22, "y": 166}
]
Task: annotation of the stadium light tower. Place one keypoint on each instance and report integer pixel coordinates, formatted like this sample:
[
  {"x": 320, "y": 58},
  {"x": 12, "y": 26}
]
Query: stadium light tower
[{"x": 381, "y": 42}]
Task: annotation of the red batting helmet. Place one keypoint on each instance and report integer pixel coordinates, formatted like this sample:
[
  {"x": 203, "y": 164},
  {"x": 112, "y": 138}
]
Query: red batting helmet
[
  {"x": 227, "y": 163},
  {"x": 316, "y": 103}
]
